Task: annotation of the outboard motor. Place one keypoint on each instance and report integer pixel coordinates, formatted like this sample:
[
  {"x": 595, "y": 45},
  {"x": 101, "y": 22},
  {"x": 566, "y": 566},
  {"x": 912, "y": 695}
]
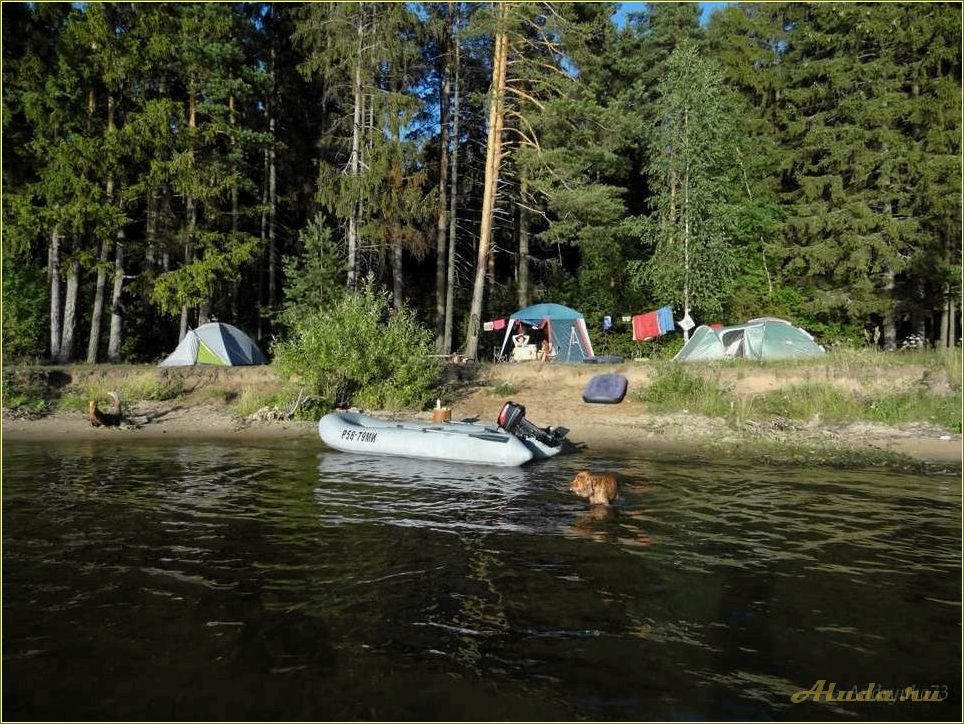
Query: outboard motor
[{"x": 512, "y": 419}]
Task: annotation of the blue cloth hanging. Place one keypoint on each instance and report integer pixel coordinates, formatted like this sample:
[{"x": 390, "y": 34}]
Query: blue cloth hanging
[{"x": 666, "y": 324}]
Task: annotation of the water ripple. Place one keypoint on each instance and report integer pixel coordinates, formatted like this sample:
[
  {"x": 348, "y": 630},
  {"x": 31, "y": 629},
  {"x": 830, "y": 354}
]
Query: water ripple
[{"x": 297, "y": 583}]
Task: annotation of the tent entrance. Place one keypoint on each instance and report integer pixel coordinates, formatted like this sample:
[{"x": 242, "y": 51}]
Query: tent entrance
[{"x": 733, "y": 343}]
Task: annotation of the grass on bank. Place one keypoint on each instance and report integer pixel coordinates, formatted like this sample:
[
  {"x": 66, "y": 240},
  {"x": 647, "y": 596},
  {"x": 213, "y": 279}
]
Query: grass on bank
[
  {"x": 290, "y": 400},
  {"x": 503, "y": 389},
  {"x": 148, "y": 386},
  {"x": 675, "y": 388},
  {"x": 863, "y": 365}
]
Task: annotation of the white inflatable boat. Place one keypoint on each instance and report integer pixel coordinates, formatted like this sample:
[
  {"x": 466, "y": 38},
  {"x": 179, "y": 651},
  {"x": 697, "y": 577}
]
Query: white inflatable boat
[{"x": 461, "y": 442}]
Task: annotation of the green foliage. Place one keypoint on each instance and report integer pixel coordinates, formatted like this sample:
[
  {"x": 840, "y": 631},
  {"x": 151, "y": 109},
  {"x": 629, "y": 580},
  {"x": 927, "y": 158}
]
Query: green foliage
[
  {"x": 616, "y": 343},
  {"x": 857, "y": 173},
  {"x": 24, "y": 321},
  {"x": 193, "y": 283},
  {"x": 313, "y": 279},
  {"x": 663, "y": 348},
  {"x": 819, "y": 143},
  {"x": 693, "y": 262},
  {"x": 356, "y": 351}
]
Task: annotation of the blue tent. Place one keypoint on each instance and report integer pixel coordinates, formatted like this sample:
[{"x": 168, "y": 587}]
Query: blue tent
[{"x": 566, "y": 330}]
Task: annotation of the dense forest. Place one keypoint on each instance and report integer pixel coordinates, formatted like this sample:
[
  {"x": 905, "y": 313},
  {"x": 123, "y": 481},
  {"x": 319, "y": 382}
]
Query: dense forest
[{"x": 169, "y": 164}]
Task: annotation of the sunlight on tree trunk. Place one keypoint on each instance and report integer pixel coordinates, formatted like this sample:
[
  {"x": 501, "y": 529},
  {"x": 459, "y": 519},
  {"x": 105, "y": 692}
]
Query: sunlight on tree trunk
[{"x": 492, "y": 159}]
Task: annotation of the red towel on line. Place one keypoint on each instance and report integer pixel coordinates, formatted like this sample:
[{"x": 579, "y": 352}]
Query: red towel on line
[
  {"x": 498, "y": 324},
  {"x": 645, "y": 326}
]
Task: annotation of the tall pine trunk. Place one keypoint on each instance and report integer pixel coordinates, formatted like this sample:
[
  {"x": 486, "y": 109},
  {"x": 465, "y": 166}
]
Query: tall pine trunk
[
  {"x": 453, "y": 200},
  {"x": 945, "y": 316},
  {"x": 93, "y": 341},
  {"x": 952, "y": 323},
  {"x": 686, "y": 226},
  {"x": 150, "y": 228},
  {"x": 493, "y": 153},
  {"x": 264, "y": 237},
  {"x": 394, "y": 221},
  {"x": 523, "y": 262},
  {"x": 398, "y": 283},
  {"x": 272, "y": 194},
  {"x": 190, "y": 204},
  {"x": 116, "y": 318},
  {"x": 234, "y": 215},
  {"x": 70, "y": 309},
  {"x": 442, "y": 224},
  {"x": 889, "y": 321},
  {"x": 55, "y": 323},
  {"x": 353, "y": 219}
]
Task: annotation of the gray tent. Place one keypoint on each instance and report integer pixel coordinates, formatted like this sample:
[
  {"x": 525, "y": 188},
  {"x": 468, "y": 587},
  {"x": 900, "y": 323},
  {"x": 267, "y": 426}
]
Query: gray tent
[
  {"x": 215, "y": 344},
  {"x": 759, "y": 339}
]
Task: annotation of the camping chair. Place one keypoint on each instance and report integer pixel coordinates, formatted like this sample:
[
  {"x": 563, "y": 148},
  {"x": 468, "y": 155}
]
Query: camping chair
[{"x": 497, "y": 355}]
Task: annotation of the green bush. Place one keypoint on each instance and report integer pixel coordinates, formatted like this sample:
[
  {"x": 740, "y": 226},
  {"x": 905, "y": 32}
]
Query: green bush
[{"x": 358, "y": 351}]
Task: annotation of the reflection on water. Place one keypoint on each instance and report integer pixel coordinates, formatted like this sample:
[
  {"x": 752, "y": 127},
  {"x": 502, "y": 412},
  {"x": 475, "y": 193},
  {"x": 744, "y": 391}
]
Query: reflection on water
[{"x": 226, "y": 582}]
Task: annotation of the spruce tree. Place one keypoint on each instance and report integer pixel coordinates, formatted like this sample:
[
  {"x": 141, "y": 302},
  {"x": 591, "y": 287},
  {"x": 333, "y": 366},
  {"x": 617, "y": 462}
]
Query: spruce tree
[{"x": 855, "y": 163}]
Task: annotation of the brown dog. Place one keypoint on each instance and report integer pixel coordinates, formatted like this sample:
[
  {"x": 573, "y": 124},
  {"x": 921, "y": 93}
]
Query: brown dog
[{"x": 600, "y": 488}]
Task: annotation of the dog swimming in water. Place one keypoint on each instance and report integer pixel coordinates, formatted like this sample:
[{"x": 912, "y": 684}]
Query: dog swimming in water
[{"x": 600, "y": 488}]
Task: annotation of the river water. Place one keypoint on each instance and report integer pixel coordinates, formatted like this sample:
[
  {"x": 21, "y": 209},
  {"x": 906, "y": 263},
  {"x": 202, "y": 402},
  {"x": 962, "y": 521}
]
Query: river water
[{"x": 281, "y": 581}]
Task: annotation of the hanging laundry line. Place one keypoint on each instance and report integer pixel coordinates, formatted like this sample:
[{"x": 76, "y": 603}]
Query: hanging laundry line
[{"x": 651, "y": 325}]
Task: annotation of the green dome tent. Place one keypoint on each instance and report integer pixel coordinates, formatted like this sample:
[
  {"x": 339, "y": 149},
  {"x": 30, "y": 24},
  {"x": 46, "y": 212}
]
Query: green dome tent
[
  {"x": 566, "y": 328},
  {"x": 759, "y": 339},
  {"x": 215, "y": 344}
]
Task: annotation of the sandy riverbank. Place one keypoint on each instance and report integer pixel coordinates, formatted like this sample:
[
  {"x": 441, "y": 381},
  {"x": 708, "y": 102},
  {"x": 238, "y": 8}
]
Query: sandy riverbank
[{"x": 203, "y": 410}]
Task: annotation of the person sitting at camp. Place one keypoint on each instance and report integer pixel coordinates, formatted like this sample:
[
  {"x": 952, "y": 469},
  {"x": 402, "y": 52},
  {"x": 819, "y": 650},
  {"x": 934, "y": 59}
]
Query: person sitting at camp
[
  {"x": 545, "y": 352},
  {"x": 521, "y": 339}
]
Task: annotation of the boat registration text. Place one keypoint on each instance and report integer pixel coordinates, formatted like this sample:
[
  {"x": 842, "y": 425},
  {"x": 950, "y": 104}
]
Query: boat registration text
[{"x": 358, "y": 435}]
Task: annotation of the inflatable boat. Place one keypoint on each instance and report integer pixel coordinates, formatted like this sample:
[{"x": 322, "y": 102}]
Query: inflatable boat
[{"x": 512, "y": 442}]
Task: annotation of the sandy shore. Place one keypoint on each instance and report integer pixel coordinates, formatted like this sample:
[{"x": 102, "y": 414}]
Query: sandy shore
[
  {"x": 552, "y": 396},
  {"x": 626, "y": 429},
  {"x": 175, "y": 422}
]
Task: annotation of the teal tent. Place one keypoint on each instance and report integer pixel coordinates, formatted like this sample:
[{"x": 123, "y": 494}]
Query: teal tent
[
  {"x": 565, "y": 327},
  {"x": 759, "y": 339}
]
